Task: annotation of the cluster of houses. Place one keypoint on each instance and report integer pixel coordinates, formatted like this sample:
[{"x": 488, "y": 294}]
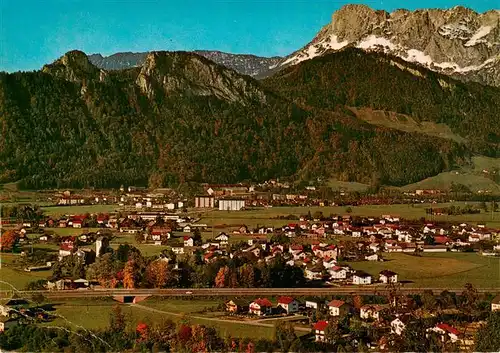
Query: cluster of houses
[
  {"x": 380, "y": 315},
  {"x": 15, "y": 310},
  {"x": 307, "y": 246}
]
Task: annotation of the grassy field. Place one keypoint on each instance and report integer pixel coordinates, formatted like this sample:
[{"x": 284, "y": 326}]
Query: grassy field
[
  {"x": 447, "y": 270},
  {"x": 94, "y": 314},
  {"x": 476, "y": 177},
  {"x": 406, "y": 123},
  {"x": 338, "y": 185},
  {"x": 17, "y": 277},
  {"x": 77, "y": 210},
  {"x": 267, "y": 216}
]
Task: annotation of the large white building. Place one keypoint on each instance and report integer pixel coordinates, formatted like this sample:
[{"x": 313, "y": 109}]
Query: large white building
[
  {"x": 231, "y": 205},
  {"x": 204, "y": 202}
]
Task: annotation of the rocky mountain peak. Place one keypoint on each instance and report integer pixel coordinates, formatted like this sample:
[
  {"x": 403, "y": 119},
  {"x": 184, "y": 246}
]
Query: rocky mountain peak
[
  {"x": 190, "y": 74},
  {"x": 75, "y": 66},
  {"x": 457, "y": 41}
]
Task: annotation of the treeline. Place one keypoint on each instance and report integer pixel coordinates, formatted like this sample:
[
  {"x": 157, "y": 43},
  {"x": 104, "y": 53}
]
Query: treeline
[
  {"x": 186, "y": 119},
  {"x": 357, "y": 79},
  {"x": 128, "y": 268}
]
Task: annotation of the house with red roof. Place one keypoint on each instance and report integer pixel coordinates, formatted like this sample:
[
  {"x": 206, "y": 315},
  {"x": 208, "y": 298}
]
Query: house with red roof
[
  {"x": 338, "y": 307},
  {"x": 372, "y": 311},
  {"x": 188, "y": 241},
  {"x": 446, "y": 332},
  {"x": 319, "y": 330},
  {"x": 289, "y": 304},
  {"x": 261, "y": 307},
  {"x": 337, "y": 273}
]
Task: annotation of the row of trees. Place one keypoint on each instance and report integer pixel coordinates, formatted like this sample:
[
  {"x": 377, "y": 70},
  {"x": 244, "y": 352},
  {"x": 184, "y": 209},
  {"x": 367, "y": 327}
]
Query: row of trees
[{"x": 127, "y": 267}]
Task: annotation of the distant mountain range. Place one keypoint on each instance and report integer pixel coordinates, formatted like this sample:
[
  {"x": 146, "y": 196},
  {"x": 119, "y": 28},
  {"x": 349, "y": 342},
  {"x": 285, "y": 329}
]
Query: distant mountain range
[
  {"x": 251, "y": 65},
  {"x": 457, "y": 42}
]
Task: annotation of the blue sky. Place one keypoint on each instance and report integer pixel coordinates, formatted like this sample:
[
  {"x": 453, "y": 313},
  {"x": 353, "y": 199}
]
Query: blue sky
[{"x": 36, "y": 32}]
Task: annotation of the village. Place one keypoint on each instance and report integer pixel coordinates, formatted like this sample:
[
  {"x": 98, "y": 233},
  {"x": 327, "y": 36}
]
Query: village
[{"x": 184, "y": 244}]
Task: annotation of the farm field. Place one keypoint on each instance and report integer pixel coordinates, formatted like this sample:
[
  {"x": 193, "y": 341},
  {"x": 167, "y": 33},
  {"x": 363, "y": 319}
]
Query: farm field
[
  {"x": 76, "y": 210},
  {"x": 267, "y": 216},
  {"x": 94, "y": 314},
  {"x": 447, "y": 270},
  {"x": 17, "y": 277}
]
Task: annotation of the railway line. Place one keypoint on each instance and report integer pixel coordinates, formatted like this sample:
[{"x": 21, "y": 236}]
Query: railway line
[{"x": 225, "y": 292}]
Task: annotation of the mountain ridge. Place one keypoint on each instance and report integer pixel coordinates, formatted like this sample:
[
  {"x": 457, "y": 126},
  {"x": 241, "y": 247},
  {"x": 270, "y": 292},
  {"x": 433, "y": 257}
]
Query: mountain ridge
[
  {"x": 181, "y": 118},
  {"x": 246, "y": 64},
  {"x": 458, "y": 42}
]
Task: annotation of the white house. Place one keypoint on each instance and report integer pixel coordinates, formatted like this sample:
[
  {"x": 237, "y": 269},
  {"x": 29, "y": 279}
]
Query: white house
[
  {"x": 387, "y": 276},
  {"x": 337, "y": 307},
  {"x": 178, "y": 249},
  {"x": 319, "y": 330},
  {"x": 260, "y": 307},
  {"x": 371, "y": 311},
  {"x": 313, "y": 273},
  {"x": 222, "y": 238},
  {"x": 361, "y": 277},
  {"x": 188, "y": 241},
  {"x": 372, "y": 257},
  {"x": 187, "y": 229},
  {"x": 337, "y": 273},
  {"x": 289, "y": 304},
  {"x": 446, "y": 330},
  {"x": 398, "y": 325},
  {"x": 311, "y": 305}
]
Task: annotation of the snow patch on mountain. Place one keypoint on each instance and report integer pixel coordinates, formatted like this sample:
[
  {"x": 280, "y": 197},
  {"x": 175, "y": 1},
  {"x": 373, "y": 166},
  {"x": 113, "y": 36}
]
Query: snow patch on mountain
[
  {"x": 455, "y": 31},
  {"x": 476, "y": 38},
  {"x": 333, "y": 43},
  {"x": 374, "y": 42},
  {"x": 316, "y": 49}
]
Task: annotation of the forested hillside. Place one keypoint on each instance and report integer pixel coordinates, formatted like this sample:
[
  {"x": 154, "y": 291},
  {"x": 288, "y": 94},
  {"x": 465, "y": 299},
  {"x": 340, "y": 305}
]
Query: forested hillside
[
  {"x": 181, "y": 117},
  {"x": 354, "y": 78}
]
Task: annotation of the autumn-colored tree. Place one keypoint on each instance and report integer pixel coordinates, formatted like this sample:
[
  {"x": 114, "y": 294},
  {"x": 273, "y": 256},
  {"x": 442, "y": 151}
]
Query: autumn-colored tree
[
  {"x": 157, "y": 273},
  {"x": 222, "y": 277},
  {"x": 199, "y": 337},
  {"x": 357, "y": 301},
  {"x": 117, "y": 319},
  {"x": 129, "y": 277},
  {"x": 142, "y": 330},
  {"x": 184, "y": 333},
  {"x": 8, "y": 240},
  {"x": 250, "y": 347},
  {"x": 104, "y": 270},
  {"x": 164, "y": 333}
]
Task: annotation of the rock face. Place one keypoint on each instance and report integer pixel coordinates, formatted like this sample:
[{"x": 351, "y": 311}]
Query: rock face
[
  {"x": 74, "y": 66},
  {"x": 190, "y": 74},
  {"x": 458, "y": 42},
  {"x": 244, "y": 64}
]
